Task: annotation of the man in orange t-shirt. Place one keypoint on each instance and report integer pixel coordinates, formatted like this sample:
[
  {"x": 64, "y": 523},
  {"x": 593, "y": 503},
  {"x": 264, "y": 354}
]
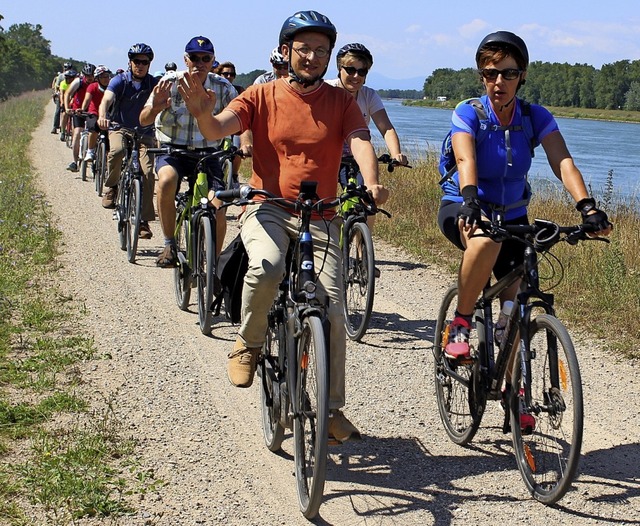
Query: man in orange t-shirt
[{"x": 299, "y": 125}]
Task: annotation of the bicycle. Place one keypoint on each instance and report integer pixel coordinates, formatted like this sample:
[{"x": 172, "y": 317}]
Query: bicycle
[
  {"x": 545, "y": 375},
  {"x": 230, "y": 181},
  {"x": 99, "y": 165},
  {"x": 358, "y": 257},
  {"x": 195, "y": 235},
  {"x": 293, "y": 365},
  {"x": 84, "y": 145}
]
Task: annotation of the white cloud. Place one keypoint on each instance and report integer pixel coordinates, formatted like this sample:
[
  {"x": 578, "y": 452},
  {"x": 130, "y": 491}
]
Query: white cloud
[
  {"x": 413, "y": 28},
  {"x": 474, "y": 27}
]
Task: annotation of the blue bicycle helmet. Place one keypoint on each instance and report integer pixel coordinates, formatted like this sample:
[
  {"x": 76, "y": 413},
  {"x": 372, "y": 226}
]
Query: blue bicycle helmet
[
  {"x": 140, "y": 49},
  {"x": 355, "y": 49},
  {"x": 307, "y": 21}
]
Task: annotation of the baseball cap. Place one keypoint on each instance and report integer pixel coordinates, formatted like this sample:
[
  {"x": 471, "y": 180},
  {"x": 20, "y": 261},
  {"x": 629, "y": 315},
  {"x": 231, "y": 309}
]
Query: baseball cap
[{"x": 199, "y": 45}]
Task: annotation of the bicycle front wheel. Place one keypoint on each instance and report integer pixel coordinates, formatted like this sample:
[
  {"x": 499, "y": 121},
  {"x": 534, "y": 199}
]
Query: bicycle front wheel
[
  {"x": 311, "y": 424},
  {"x": 182, "y": 272},
  {"x": 547, "y": 432},
  {"x": 205, "y": 264},
  {"x": 100, "y": 166},
  {"x": 84, "y": 143},
  {"x": 122, "y": 207},
  {"x": 460, "y": 403},
  {"x": 134, "y": 213},
  {"x": 358, "y": 278}
]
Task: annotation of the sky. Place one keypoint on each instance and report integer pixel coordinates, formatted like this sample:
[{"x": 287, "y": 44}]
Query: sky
[{"x": 409, "y": 39}]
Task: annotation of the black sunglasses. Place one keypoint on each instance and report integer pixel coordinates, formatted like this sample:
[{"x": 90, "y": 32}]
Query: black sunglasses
[
  {"x": 139, "y": 62},
  {"x": 228, "y": 74},
  {"x": 507, "y": 74},
  {"x": 205, "y": 59},
  {"x": 352, "y": 71}
]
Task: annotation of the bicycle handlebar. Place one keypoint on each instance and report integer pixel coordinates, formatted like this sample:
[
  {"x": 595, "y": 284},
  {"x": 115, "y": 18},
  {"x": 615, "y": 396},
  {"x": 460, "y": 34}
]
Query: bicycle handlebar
[
  {"x": 204, "y": 153},
  {"x": 385, "y": 158}
]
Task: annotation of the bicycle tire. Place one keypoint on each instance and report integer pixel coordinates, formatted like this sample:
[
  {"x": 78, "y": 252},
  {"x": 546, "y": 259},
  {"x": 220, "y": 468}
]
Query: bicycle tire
[
  {"x": 311, "y": 422},
  {"x": 134, "y": 218},
  {"x": 270, "y": 395},
  {"x": 358, "y": 265},
  {"x": 100, "y": 166},
  {"x": 182, "y": 272},
  {"x": 84, "y": 139},
  {"x": 548, "y": 458},
  {"x": 69, "y": 133},
  {"x": 205, "y": 265},
  {"x": 460, "y": 405},
  {"x": 121, "y": 213}
]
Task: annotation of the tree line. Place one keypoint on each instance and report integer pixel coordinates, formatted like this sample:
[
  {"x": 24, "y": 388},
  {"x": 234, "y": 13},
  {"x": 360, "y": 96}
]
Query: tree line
[{"x": 614, "y": 86}]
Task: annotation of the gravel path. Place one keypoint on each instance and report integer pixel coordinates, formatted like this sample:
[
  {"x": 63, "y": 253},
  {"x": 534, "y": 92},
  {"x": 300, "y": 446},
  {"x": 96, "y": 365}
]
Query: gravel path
[{"x": 204, "y": 439}]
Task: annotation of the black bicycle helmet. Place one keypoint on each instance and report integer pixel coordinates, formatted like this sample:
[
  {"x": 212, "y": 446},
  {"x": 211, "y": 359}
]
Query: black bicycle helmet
[
  {"x": 354, "y": 49},
  {"x": 504, "y": 39},
  {"x": 307, "y": 21},
  {"x": 88, "y": 69},
  {"x": 170, "y": 66},
  {"x": 140, "y": 49},
  {"x": 71, "y": 73}
]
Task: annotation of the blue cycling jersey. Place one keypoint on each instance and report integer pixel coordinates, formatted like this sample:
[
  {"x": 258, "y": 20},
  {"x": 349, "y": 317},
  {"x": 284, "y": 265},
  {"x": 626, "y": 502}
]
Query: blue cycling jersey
[
  {"x": 499, "y": 182},
  {"x": 130, "y": 97}
]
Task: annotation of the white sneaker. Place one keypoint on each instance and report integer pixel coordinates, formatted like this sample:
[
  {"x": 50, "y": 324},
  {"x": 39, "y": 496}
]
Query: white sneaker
[{"x": 90, "y": 156}]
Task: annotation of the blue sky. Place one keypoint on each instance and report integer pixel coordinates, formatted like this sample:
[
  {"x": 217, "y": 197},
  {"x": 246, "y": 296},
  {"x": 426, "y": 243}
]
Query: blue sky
[{"x": 408, "y": 38}]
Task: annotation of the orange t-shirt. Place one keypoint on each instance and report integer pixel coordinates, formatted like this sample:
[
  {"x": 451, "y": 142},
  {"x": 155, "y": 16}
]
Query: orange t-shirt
[{"x": 297, "y": 136}]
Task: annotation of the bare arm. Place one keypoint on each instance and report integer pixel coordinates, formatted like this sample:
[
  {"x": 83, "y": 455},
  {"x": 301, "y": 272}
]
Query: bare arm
[
  {"x": 107, "y": 101},
  {"x": 365, "y": 156},
  {"x": 563, "y": 166},
  {"x": 464, "y": 149},
  {"x": 388, "y": 132}
]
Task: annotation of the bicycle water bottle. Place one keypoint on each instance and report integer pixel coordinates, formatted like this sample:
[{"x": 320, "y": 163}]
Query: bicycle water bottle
[{"x": 501, "y": 324}]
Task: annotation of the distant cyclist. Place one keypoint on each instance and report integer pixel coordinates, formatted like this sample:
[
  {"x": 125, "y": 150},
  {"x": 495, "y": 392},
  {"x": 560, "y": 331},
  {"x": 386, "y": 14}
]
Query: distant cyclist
[
  {"x": 69, "y": 76},
  {"x": 55, "y": 86},
  {"x": 76, "y": 93},
  {"x": 119, "y": 112},
  {"x": 279, "y": 68},
  {"x": 92, "y": 99}
]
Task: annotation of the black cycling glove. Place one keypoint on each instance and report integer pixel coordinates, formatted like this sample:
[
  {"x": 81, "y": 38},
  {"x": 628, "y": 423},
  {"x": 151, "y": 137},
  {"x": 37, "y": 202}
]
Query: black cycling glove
[
  {"x": 470, "y": 211},
  {"x": 598, "y": 220}
]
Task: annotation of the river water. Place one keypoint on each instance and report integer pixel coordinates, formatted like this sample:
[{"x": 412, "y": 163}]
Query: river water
[{"x": 596, "y": 146}]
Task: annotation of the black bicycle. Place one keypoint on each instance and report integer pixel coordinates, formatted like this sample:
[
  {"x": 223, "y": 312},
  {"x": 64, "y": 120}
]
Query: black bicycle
[
  {"x": 99, "y": 164},
  {"x": 358, "y": 257},
  {"x": 293, "y": 366},
  {"x": 535, "y": 350}
]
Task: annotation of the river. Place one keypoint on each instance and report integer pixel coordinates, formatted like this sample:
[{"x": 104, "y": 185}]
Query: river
[{"x": 596, "y": 146}]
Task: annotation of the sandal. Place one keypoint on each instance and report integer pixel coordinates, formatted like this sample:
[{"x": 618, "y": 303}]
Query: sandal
[{"x": 168, "y": 258}]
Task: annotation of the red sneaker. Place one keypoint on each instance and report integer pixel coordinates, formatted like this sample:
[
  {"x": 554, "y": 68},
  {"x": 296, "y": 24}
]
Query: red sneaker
[{"x": 458, "y": 345}]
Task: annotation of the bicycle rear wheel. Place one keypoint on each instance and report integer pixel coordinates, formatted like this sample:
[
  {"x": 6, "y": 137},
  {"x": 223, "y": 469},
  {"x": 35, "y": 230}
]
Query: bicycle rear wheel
[
  {"x": 121, "y": 210},
  {"x": 270, "y": 385},
  {"x": 182, "y": 272},
  {"x": 358, "y": 278},
  {"x": 460, "y": 403},
  {"x": 205, "y": 265},
  {"x": 134, "y": 213},
  {"x": 311, "y": 424},
  {"x": 84, "y": 143},
  {"x": 548, "y": 457}
]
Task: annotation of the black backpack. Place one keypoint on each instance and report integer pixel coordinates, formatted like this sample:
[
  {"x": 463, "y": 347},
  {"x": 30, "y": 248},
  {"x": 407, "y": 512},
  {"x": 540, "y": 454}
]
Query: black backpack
[{"x": 230, "y": 271}]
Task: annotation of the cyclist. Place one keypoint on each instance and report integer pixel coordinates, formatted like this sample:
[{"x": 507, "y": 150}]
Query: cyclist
[
  {"x": 76, "y": 93},
  {"x": 290, "y": 148},
  {"x": 175, "y": 126},
  {"x": 55, "y": 86},
  {"x": 354, "y": 62},
  {"x": 92, "y": 99},
  {"x": 495, "y": 171},
  {"x": 279, "y": 68},
  {"x": 124, "y": 99},
  {"x": 69, "y": 75},
  {"x": 170, "y": 66}
]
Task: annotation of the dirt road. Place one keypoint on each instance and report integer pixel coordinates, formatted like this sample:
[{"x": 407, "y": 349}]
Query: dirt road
[{"x": 203, "y": 437}]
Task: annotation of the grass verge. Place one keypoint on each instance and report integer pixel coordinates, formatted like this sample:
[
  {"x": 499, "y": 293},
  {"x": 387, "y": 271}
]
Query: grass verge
[{"x": 60, "y": 459}]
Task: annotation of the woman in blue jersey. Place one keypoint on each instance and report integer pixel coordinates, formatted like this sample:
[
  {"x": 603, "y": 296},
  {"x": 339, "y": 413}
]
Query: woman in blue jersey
[{"x": 494, "y": 170}]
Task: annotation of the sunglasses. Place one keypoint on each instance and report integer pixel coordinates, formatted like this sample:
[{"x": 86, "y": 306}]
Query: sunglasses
[
  {"x": 507, "y": 74},
  {"x": 228, "y": 74},
  {"x": 205, "y": 59},
  {"x": 352, "y": 71},
  {"x": 139, "y": 62}
]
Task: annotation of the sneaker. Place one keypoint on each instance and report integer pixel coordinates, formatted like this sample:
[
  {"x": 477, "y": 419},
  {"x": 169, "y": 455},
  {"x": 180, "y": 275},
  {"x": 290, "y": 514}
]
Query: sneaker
[
  {"x": 376, "y": 272},
  {"x": 527, "y": 420},
  {"x": 54, "y": 131},
  {"x": 63, "y": 136},
  {"x": 340, "y": 429},
  {"x": 109, "y": 197},
  {"x": 241, "y": 365},
  {"x": 168, "y": 258},
  {"x": 145, "y": 231},
  {"x": 458, "y": 346},
  {"x": 73, "y": 166},
  {"x": 90, "y": 156}
]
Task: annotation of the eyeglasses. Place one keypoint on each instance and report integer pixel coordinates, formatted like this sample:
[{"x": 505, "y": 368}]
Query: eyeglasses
[
  {"x": 139, "y": 62},
  {"x": 228, "y": 74},
  {"x": 352, "y": 71},
  {"x": 306, "y": 52},
  {"x": 205, "y": 59},
  {"x": 507, "y": 74}
]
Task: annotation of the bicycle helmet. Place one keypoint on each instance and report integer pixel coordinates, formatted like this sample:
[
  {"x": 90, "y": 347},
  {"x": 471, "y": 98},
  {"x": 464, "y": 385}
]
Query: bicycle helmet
[
  {"x": 67, "y": 65},
  {"x": 170, "y": 66},
  {"x": 276, "y": 57},
  {"x": 501, "y": 39},
  {"x": 71, "y": 73},
  {"x": 100, "y": 70},
  {"x": 88, "y": 69},
  {"x": 140, "y": 49},
  {"x": 307, "y": 21},
  {"x": 355, "y": 49}
]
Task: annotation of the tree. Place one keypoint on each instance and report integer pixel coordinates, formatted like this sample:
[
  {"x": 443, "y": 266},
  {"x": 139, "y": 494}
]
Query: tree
[{"x": 632, "y": 97}]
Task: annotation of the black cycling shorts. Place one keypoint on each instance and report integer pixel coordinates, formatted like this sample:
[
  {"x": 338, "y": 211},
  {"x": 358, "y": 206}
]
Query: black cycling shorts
[
  {"x": 186, "y": 166},
  {"x": 511, "y": 253}
]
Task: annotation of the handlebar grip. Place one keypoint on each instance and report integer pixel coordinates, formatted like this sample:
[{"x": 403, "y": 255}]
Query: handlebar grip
[{"x": 228, "y": 196}]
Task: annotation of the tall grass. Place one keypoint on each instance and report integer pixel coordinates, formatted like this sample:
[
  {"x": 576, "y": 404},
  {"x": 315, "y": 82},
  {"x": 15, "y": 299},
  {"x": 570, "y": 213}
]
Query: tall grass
[{"x": 597, "y": 285}]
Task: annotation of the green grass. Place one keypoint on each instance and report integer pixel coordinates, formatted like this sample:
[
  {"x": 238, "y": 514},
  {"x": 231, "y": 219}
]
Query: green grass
[{"x": 60, "y": 458}]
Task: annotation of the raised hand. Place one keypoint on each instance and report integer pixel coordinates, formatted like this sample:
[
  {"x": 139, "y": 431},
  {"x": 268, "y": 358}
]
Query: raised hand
[{"x": 198, "y": 100}]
